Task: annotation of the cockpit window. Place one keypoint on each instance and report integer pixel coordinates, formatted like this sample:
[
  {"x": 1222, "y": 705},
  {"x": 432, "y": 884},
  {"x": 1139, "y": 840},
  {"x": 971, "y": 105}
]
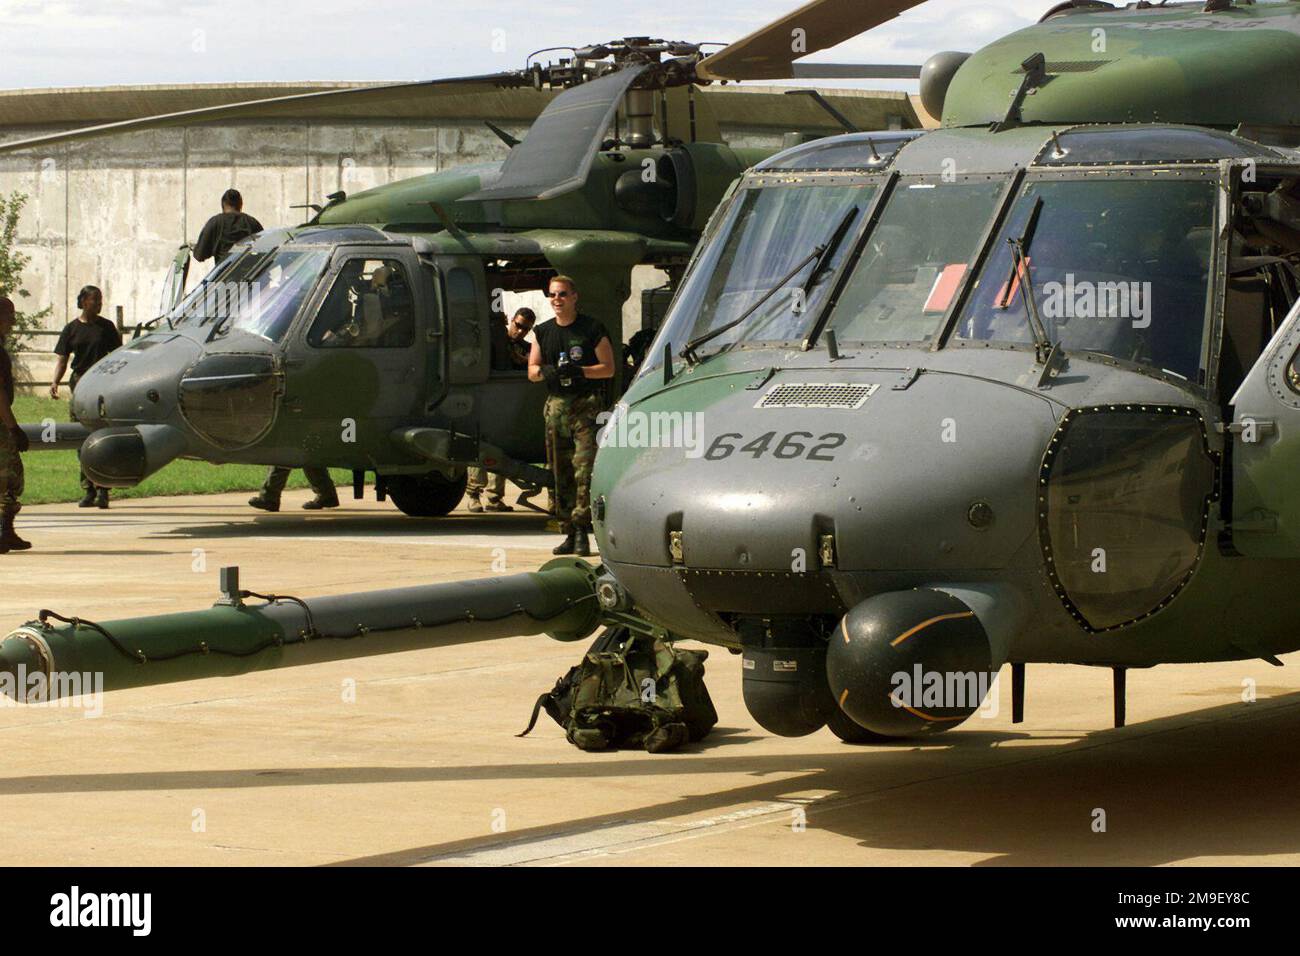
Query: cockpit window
[
  {"x": 208, "y": 300},
  {"x": 754, "y": 262},
  {"x": 266, "y": 303},
  {"x": 370, "y": 306},
  {"x": 1117, "y": 266},
  {"x": 914, "y": 261}
]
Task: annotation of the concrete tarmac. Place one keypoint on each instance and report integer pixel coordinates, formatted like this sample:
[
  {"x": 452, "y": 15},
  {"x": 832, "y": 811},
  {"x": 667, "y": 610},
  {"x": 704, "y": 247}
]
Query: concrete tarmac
[{"x": 411, "y": 759}]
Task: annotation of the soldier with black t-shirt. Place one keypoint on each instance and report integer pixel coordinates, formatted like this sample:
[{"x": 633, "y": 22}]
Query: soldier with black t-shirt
[
  {"x": 224, "y": 230},
  {"x": 85, "y": 340},
  {"x": 572, "y": 354}
]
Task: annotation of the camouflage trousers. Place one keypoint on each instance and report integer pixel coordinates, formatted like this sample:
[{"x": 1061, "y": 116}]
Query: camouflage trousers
[
  {"x": 571, "y": 451},
  {"x": 11, "y": 475},
  {"x": 480, "y": 480}
]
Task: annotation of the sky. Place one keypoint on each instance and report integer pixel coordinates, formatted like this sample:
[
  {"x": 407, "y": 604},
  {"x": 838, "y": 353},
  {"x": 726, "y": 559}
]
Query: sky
[{"x": 52, "y": 43}]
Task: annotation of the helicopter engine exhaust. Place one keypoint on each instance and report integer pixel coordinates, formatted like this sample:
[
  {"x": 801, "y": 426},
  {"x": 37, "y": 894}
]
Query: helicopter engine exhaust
[
  {"x": 122, "y": 457},
  {"x": 910, "y": 663}
]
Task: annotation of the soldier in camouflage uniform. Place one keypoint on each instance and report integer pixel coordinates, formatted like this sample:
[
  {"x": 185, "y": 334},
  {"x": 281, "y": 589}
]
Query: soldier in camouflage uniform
[
  {"x": 573, "y": 356},
  {"x": 571, "y": 446},
  {"x": 13, "y": 441}
]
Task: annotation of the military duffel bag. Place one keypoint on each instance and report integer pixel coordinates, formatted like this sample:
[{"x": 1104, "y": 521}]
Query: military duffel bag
[{"x": 631, "y": 690}]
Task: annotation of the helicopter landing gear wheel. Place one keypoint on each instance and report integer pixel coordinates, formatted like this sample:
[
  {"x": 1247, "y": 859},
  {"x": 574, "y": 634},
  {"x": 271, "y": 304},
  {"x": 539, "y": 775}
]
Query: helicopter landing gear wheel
[
  {"x": 426, "y": 496},
  {"x": 844, "y": 727}
]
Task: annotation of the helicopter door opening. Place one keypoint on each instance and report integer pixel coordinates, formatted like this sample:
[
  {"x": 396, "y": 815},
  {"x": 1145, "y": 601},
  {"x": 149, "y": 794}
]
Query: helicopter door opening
[
  {"x": 1265, "y": 493},
  {"x": 1263, "y": 274},
  {"x": 468, "y": 343},
  {"x": 1259, "y": 365},
  {"x": 362, "y": 356},
  {"x": 512, "y": 405}
]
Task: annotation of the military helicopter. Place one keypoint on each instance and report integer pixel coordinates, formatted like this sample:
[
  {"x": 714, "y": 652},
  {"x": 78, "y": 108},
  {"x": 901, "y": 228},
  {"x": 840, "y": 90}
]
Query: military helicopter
[
  {"x": 1021, "y": 389},
  {"x": 365, "y": 338}
]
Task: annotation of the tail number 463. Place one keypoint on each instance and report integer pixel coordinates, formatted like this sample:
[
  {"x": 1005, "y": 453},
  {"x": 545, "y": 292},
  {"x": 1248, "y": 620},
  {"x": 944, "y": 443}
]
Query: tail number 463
[{"x": 790, "y": 445}]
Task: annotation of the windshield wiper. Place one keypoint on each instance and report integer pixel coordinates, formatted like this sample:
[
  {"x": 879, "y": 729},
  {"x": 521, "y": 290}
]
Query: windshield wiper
[
  {"x": 1046, "y": 352},
  {"x": 820, "y": 255},
  {"x": 828, "y": 251},
  {"x": 152, "y": 324}
]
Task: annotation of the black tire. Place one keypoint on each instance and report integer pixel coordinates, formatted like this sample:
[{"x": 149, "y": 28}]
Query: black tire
[
  {"x": 844, "y": 727},
  {"x": 426, "y": 496}
]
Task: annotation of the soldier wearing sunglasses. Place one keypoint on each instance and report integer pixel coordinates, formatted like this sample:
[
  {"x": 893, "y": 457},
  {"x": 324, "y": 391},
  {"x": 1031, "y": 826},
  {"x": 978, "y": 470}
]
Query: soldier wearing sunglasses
[{"x": 573, "y": 356}]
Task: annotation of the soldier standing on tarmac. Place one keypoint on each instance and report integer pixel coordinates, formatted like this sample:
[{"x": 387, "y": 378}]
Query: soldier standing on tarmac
[
  {"x": 83, "y": 342},
  {"x": 572, "y": 354},
  {"x": 13, "y": 441}
]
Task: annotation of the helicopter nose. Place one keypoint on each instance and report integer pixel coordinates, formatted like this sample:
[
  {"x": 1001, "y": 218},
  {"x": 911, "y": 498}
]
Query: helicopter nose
[
  {"x": 149, "y": 402},
  {"x": 135, "y": 384},
  {"x": 871, "y": 473}
]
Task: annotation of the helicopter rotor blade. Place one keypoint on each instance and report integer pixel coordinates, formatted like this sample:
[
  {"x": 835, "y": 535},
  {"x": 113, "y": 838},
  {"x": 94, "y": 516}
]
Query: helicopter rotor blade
[
  {"x": 556, "y": 154},
  {"x": 297, "y": 105},
  {"x": 769, "y": 53},
  {"x": 855, "y": 71}
]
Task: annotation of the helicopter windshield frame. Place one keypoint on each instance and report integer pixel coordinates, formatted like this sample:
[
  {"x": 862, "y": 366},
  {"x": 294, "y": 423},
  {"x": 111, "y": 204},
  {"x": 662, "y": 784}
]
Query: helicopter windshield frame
[
  {"x": 1035, "y": 184},
  {"x": 698, "y": 306},
  {"x": 946, "y": 286},
  {"x": 251, "y": 310}
]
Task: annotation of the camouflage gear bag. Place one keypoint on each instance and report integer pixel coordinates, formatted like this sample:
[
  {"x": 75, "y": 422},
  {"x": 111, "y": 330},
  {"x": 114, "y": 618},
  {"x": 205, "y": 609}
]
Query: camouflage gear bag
[{"x": 632, "y": 690}]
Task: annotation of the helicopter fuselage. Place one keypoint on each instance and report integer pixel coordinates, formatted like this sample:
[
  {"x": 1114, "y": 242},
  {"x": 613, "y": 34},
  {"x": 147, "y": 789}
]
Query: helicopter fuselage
[
  {"x": 1041, "y": 382},
  {"x": 365, "y": 340}
]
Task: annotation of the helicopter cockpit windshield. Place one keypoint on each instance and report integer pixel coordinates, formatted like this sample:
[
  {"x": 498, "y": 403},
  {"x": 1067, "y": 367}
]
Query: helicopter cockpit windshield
[
  {"x": 914, "y": 260},
  {"x": 1119, "y": 267},
  {"x": 266, "y": 303},
  {"x": 199, "y": 304},
  {"x": 761, "y": 265},
  {"x": 258, "y": 292}
]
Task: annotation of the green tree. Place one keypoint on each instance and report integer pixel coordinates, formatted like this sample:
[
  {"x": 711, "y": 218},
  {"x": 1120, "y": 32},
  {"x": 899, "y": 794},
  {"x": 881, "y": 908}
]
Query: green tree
[{"x": 12, "y": 264}]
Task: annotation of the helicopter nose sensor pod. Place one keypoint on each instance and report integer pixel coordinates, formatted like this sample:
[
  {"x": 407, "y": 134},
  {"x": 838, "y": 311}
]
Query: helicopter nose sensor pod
[
  {"x": 906, "y": 663},
  {"x": 124, "y": 457}
]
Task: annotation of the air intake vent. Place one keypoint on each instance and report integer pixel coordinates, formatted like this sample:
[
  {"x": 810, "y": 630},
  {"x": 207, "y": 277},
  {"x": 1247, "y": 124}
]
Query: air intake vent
[
  {"x": 816, "y": 395},
  {"x": 1075, "y": 66}
]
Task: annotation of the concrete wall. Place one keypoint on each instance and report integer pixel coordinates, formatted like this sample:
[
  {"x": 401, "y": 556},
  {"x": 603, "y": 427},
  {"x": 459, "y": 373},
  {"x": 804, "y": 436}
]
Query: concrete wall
[{"x": 112, "y": 212}]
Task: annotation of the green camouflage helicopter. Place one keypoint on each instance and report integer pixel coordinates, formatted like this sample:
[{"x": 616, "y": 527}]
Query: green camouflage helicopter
[
  {"x": 365, "y": 339},
  {"x": 1021, "y": 389}
]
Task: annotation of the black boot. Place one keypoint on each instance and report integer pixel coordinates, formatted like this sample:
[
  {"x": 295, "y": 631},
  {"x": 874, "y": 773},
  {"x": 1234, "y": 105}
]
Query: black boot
[
  {"x": 88, "y": 499},
  {"x": 581, "y": 546},
  {"x": 9, "y": 540},
  {"x": 321, "y": 501},
  {"x": 263, "y": 503},
  {"x": 101, "y": 499},
  {"x": 567, "y": 545}
]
